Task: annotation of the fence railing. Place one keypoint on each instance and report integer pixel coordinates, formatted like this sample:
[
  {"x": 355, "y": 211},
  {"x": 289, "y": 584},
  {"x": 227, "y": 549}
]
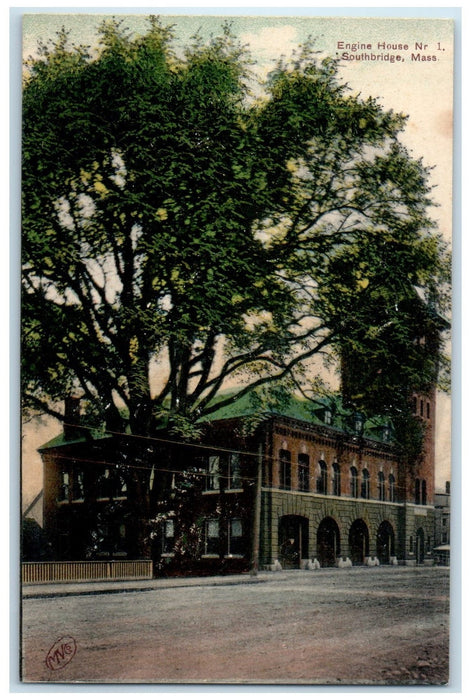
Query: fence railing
[{"x": 63, "y": 571}]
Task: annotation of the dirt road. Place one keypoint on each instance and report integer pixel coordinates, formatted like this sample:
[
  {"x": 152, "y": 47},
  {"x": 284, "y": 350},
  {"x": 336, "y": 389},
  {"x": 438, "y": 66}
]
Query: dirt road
[{"x": 382, "y": 625}]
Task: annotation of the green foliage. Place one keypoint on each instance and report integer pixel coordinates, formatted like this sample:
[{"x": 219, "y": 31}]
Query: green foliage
[{"x": 171, "y": 219}]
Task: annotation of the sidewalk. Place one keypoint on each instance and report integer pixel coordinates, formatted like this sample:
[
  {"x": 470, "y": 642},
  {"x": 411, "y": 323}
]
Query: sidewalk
[{"x": 53, "y": 590}]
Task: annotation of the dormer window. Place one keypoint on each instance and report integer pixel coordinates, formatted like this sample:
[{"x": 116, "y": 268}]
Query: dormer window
[
  {"x": 328, "y": 416},
  {"x": 358, "y": 424}
]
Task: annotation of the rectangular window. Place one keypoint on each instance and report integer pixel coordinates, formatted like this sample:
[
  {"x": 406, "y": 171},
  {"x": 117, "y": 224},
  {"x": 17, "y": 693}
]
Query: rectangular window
[
  {"x": 103, "y": 484},
  {"x": 235, "y": 481},
  {"x": 236, "y": 543},
  {"x": 168, "y": 540},
  {"x": 64, "y": 486},
  {"x": 212, "y": 483},
  {"x": 78, "y": 488},
  {"x": 212, "y": 537},
  {"x": 417, "y": 491}
]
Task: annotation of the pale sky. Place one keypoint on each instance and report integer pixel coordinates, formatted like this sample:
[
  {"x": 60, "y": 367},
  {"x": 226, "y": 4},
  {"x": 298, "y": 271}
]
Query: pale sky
[{"x": 422, "y": 89}]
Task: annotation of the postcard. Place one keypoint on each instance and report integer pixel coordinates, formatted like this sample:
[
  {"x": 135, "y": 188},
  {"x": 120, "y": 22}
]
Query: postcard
[{"x": 236, "y": 248}]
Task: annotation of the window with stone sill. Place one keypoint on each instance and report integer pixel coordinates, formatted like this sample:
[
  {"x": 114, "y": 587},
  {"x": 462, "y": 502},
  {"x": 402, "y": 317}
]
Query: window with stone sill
[
  {"x": 285, "y": 469},
  {"x": 365, "y": 484},
  {"x": 321, "y": 486},
  {"x": 303, "y": 472},
  {"x": 353, "y": 482},
  {"x": 211, "y": 539},
  {"x": 336, "y": 479},
  {"x": 381, "y": 487}
]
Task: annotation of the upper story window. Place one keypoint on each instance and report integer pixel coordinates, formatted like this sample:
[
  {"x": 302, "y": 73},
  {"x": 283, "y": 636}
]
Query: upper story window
[
  {"x": 381, "y": 487},
  {"x": 303, "y": 472},
  {"x": 78, "y": 490},
  {"x": 417, "y": 491},
  {"x": 421, "y": 492},
  {"x": 353, "y": 482},
  {"x": 358, "y": 424},
  {"x": 212, "y": 480},
  {"x": 223, "y": 471},
  {"x": 336, "y": 479},
  {"x": 64, "y": 486},
  {"x": 392, "y": 487},
  {"x": 328, "y": 416},
  {"x": 365, "y": 483},
  {"x": 235, "y": 481},
  {"x": 285, "y": 469},
  {"x": 322, "y": 477},
  {"x": 110, "y": 484}
]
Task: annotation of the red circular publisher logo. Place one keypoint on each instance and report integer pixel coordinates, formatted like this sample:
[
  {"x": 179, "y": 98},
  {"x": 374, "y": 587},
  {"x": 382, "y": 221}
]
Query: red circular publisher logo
[{"x": 61, "y": 653}]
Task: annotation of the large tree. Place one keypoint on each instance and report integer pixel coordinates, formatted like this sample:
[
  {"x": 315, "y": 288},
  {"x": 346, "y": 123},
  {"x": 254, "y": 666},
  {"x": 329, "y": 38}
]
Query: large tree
[{"x": 181, "y": 233}]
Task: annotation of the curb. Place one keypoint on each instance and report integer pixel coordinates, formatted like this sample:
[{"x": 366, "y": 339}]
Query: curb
[{"x": 158, "y": 585}]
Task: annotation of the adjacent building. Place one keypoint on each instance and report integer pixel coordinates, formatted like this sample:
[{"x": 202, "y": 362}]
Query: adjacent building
[{"x": 442, "y": 526}]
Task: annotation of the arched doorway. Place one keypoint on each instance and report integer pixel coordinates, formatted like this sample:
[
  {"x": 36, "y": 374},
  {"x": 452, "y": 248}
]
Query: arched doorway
[
  {"x": 420, "y": 546},
  {"x": 359, "y": 542},
  {"x": 293, "y": 539},
  {"x": 385, "y": 542},
  {"x": 328, "y": 542}
]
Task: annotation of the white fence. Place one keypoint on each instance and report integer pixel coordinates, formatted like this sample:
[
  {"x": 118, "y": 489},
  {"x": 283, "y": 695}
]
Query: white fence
[{"x": 63, "y": 571}]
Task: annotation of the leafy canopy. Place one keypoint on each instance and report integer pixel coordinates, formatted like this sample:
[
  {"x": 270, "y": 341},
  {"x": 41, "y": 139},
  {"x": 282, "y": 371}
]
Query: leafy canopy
[{"x": 181, "y": 234}]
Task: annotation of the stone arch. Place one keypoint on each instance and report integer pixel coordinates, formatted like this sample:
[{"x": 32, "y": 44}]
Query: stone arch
[
  {"x": 328, "y": 542},
  {"x": 385, "y": 542},
  {"x": 293, "y": 540},
  {"x": 359, "y": 541}
]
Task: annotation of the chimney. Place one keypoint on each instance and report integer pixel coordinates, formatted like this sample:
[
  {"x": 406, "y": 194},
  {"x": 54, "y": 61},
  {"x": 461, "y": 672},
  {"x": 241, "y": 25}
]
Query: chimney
[{"x": 71, "y": 416}]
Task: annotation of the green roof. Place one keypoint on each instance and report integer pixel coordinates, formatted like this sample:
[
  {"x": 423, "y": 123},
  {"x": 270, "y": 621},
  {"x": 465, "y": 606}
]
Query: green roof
[
  {"x": 83, "y": 435},
  {"x": 325, "y": 410},
  {"x": 322, "y": 411}
]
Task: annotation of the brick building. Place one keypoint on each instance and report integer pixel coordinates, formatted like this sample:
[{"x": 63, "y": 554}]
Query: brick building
[{"x": 312, "y": 485}]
